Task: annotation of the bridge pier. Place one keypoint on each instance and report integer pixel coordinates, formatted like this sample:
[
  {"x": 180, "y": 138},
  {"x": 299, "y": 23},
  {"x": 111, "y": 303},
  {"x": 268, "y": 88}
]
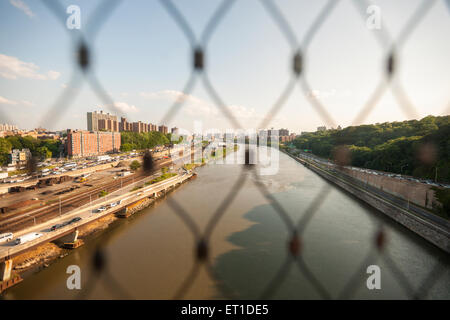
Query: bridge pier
[
  {"x": 71, "y": 240},
  {"x": 5, "y": 270},
  {"x": 6, "y": 278}
]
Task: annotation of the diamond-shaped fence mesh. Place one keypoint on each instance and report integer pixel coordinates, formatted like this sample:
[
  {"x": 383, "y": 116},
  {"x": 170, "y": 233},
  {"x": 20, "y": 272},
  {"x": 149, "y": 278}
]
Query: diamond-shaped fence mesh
[{"x": 83, "y": 71}]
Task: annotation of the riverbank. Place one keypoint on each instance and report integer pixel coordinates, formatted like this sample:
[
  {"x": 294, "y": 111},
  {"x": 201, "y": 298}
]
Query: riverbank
[
  {"x": 42, "y": 256},
  {"x": 428, "y": 230}
]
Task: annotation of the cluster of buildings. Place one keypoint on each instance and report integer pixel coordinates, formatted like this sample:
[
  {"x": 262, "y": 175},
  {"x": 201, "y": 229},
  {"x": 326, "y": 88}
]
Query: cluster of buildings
[
  {"x": 139, "y": 127},
  {"x": 8, "y": 127},
  {"x": 103, "y": 134},
  {"x": 283, "y": 134},
  {"x": 39, "y": 133},
  {"x": 99, "y": 121},
  {"x": 19, "y": 157}
]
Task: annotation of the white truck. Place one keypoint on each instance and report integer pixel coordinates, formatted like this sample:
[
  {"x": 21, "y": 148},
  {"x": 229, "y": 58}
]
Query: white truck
[
  {"x": 103, "y": 158},
  {"x": 28, "y": 237},
  {"x": 6, "y": 237}
]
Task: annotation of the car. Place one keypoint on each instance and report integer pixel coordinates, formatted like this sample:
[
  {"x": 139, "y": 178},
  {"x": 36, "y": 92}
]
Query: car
[
  {"x": 112, "y": 205},
  {"x": 101, "y": 209},
  {"x": 65, "y": 223},
  {"x": 139, "y": 193},
  {"x": 55, "y": 227},
  {"x": 76, "y": 219}
]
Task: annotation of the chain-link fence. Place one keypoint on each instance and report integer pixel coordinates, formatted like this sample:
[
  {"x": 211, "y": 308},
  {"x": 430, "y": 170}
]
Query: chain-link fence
[{"x": 83, "y": 70}]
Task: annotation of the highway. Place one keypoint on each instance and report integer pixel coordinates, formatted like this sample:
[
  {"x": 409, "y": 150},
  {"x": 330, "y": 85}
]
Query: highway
[
  {"x": 18, "y": 221},
  {"x": 414, "y": 211},
  {"x": 87, "y": 214}
]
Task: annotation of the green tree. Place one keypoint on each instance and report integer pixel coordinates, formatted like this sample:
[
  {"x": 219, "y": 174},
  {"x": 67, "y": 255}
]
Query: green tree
[
  {"x": 43, "y": 153},
  {"x": 135, "y": 165},
  {"x": 5, "y": 149},
  {"x": 415, "y": 147}
]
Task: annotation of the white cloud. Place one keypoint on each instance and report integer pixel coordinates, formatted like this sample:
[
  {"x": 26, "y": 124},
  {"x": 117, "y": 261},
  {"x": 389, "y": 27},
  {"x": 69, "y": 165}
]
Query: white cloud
[
  {"x": 6, "y": 101},
  {"x": 53, "y": 75},
  {"x": 125, "y": 107},
  {"x": 14, "y": 68},
  {"x": 23, "y": 7},
  {"x": 26, "y": 103},
  {"x": 192, "y": 105},
  {"x": 196, "y": 107}
]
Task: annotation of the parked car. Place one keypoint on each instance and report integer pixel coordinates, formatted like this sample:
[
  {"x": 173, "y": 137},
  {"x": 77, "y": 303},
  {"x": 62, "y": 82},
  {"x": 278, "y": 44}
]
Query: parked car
[
  {"x": 76, "y": 219},
  {"x": 56, "y": 226}
]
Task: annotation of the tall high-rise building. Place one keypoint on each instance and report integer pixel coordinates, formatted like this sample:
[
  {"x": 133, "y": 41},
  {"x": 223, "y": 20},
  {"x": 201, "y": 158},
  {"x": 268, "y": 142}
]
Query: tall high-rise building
[
  {"x": 163, "y": 129},
  {"x": 97, "y": 121},
  {"x": 8, "y": 127}
]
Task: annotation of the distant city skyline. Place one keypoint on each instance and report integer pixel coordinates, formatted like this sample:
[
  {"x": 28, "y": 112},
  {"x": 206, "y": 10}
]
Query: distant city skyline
[{"x": 143, "y": 59}]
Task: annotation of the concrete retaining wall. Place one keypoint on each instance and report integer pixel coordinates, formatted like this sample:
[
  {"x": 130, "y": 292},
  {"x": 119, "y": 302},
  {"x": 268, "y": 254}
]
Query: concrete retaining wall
[
  {"x": 435, "y": 234},
  {"x": 425, "y": 229},
  {"x": 418, "y": 193}
]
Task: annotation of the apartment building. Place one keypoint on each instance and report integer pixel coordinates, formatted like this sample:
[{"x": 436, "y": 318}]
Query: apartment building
[{"x": 89, "y": 143}]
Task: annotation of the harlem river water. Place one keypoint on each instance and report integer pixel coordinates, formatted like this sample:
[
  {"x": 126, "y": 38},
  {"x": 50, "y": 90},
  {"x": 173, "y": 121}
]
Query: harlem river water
[{"x": 152, "y": 254}]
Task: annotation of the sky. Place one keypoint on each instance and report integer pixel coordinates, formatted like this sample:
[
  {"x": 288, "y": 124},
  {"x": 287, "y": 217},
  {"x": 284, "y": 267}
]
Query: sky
[{"x": 142, "y": 59}]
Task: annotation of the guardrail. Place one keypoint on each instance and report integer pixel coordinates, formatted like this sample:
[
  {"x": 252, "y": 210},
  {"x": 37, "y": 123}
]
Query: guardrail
[{"x": 127, "y": 199}]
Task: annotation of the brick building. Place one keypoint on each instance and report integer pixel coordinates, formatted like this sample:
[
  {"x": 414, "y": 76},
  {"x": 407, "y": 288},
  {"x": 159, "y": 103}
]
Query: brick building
[
  {"x": 88, "y": 143},
  {"x": 97, "y": 121},
  {"x": 163, "y": 129}
]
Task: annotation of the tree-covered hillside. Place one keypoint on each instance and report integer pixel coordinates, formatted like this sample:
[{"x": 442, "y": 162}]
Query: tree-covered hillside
[{"x": 415, "y": 147}]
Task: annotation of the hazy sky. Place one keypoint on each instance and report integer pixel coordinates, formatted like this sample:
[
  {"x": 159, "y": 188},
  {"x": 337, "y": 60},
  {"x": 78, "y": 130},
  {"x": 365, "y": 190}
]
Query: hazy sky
[{"x": 143, "y": 60}]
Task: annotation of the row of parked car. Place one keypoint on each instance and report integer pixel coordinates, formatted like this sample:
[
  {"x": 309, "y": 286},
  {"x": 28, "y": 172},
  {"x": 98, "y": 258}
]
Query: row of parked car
[
  {"x": 399, "y": 176},
  {"x": 381, "y": 173},
  {"x": 66, "y": 223},
  {"x": 109, "y": 206}
]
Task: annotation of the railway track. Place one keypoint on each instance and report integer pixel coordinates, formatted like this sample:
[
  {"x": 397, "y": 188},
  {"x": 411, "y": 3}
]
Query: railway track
[{"x": 22, "y": 220}]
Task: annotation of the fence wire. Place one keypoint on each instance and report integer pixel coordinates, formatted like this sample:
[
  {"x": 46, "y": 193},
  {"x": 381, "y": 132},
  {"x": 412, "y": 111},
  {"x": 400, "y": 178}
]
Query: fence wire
[{"x": 83, "y": 71}]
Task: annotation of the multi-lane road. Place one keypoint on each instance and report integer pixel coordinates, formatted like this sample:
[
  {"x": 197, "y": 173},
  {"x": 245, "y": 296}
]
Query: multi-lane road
[
  {"x": 88, "y": 213},
  {"x": 15, "y": 222}
]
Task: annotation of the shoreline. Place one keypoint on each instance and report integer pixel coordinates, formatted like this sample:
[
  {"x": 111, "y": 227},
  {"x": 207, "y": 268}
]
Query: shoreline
[
  {"x": 427, "y": 230},
  {"x": 41, "y": 257}
]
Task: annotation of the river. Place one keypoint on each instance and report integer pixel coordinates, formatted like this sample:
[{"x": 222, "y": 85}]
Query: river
[{"x": 149, "y": 255}]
